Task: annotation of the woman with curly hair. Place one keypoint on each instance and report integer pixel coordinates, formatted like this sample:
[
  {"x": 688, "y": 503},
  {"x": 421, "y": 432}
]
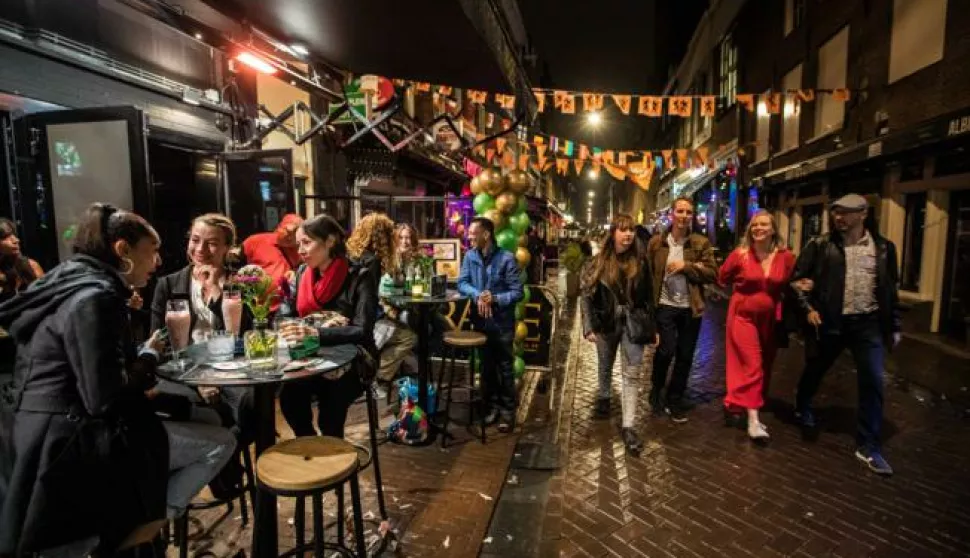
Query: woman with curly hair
[{"x": 371, "y": 244}]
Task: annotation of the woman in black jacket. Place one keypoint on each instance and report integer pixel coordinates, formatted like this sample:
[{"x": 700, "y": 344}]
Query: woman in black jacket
[
  {"x": 328, "y": 281},
  {"x": 91, "y": 457},
  {"x": 618, "y": 313}
]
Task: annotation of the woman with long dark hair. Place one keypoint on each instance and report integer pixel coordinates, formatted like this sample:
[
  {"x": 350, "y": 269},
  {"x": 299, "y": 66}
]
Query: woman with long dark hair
[
  {"x": 17, "y": 272},
  {"x": 617, "y": 307},
  {"x": 329, "y": 282},
  {"x": 759, "y": 270}
]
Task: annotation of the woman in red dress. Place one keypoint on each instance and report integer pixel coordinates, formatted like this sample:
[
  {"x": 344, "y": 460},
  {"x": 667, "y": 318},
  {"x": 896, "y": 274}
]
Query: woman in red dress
[{"x": 759, "y": 272}]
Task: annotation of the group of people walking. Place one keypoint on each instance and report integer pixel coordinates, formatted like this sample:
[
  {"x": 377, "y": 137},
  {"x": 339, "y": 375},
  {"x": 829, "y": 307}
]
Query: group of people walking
[
  {"x": 95, "y": 444},
  {"x": 840, "y": 292}
]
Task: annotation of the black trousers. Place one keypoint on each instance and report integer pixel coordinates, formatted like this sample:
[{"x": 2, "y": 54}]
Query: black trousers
[
  {"x": 678, "y": 330},
  {"x": 334, "y": 398},
  {"x": 498, "y": 376}
]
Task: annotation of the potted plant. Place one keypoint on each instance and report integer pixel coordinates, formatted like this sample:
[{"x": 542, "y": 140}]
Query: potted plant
[
  {"x": 258, "y": 294},
  {"x": 573, "y": 260}
]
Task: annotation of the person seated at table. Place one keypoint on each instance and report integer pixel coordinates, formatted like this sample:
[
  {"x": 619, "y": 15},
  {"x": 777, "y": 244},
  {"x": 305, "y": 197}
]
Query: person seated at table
[
  {"x": 372, "y": 244},
  {"x": 92, "y": 459},
  {"x": 398, "y": 349},
  {"x": 275, "y": 251},
  {"x": 210, "y": 239},
  {"x": 490, "y": 278},
  {"x": 329, "y": 282}
]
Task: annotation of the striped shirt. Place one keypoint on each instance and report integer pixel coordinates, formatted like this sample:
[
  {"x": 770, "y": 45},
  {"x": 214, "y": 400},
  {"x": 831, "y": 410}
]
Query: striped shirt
[{"x": 860, "y": 277}]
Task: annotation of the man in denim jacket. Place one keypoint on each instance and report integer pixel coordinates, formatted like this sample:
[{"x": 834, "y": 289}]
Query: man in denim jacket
[{"x": 490, "y": 278}]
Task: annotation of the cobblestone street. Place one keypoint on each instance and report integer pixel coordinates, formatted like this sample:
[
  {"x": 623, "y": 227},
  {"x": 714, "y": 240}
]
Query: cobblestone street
[{"x": 701, "y": 489}]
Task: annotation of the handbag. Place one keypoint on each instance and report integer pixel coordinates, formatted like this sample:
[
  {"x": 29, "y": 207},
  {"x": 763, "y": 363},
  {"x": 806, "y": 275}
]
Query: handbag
[{"x": 639, "y": 326}]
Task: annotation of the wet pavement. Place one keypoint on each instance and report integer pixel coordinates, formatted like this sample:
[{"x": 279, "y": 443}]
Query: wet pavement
[{"x": 701, "y": 489}]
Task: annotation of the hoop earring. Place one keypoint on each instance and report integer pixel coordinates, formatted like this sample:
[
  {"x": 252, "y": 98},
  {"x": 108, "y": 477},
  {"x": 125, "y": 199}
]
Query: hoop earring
[{"x": 130, "y": 266}]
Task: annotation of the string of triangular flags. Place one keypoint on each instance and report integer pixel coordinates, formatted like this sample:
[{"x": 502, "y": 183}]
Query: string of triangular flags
[{"x": 646, "y": 105}]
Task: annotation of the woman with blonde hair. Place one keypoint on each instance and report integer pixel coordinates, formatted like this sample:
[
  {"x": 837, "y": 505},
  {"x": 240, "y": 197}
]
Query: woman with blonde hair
[
  {"x": 759, "y": 271},
  {"x": 617, "y": 308},
  {"x": 371, "y": 244}
]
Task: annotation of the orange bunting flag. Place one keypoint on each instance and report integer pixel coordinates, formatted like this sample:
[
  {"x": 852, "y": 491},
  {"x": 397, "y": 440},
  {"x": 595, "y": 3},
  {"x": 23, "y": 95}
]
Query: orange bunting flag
[
  {"x": 592, "y": 101},
  {"x": 523, "y": 161},
  {"x": 682, "y": 158},
  {"x": 772, "y": 102},
  {"x": 623, "y": 102},
  {"x": 477, "y": 97},
  {"x": 578, "y": 163},
  {"x": 668, "y": 161},
  {"x": 680, "y": 106},
  {"x": 540, "y": 100},
  {"x": 647, "y": 158},
  {"x": 708, "y": 106},
  {"x": 541, "y": 149},
  {"x": 422, "y": 86},
  {"x": 545, "y": 165},
  {"x": 508, "y": 160},
  {"x": 500, "y": 144},
  {"x": 568, "y": 105},
  {"x": 538, "y": 140},
  {"x": 806, "y": 95},
  {"x": 651, "y": 106},
  {"x": 622, "y": 160},
  {"x": 609, "y": 157},
  {"x": 507, "y": 102},
  {"x": 445, "y": 89},
  {"x": 562, "y": 166},
  {"x": 583, "y": 151},
  {"x": 841, "y": 94},
  {"x": 490, "y": 154},
  {"x": 702, "y": 154},
  {"x": 746, "y": 100}
]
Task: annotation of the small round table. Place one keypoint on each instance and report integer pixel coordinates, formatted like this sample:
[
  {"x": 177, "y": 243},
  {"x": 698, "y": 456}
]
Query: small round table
[
  {"x": 197, "y": 372},
  {"x": 422, "y": 306}
]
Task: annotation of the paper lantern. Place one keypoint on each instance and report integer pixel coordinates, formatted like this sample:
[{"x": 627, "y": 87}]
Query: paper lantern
[
  {"x": 491, "y": 181},
  {"x": 523, "y": 256},
  {"x": 506, "y": 239},
  {"x": 519, "y": 367},
  {"x": 506, "y": 202},
  {"x": 476, "y": 185},
  {"x": 498, "y": 219},
  {"x": 521, "y": 331},
  {"x": 517, "y": 181},
  {"x": 482, "y": 203},
  {"x": 520, "y": 311}
]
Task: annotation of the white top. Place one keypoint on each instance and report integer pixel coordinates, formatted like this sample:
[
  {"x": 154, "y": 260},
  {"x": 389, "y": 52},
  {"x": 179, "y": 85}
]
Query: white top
[
  {"x": 859, "y": 296},
  {"x": 674, "y": 291}
]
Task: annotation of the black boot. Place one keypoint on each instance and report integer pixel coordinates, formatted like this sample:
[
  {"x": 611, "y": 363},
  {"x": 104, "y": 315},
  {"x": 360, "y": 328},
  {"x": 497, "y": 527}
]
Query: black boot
[
  {"x": 735, "y": 420},
  {"x": 603, "y": 408},
  {"x": 632, "y": 441},
  {"x": 656, "y": 401}
]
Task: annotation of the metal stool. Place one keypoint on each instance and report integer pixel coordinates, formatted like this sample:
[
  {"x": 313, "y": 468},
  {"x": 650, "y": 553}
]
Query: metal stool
[
  {"x": 455, "y": 341},
  {"x": 311, "y": 466},
  {"x": 249, "y": 486}
]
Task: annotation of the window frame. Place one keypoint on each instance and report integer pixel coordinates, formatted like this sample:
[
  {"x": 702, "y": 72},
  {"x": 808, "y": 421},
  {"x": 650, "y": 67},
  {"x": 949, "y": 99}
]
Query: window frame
[
  {"x": 825, "y": 100},
  {"x": 728, "y": 70}
]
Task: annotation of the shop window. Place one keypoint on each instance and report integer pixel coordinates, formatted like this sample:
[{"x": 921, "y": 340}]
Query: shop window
[
  {"x": 812, "y": 216},
  {"x": 728, "y": 71},
  {"x": 794, "y": 15},
  {"x": 791, "y": 111},
  {"x": 832, "y": 62},
  {"x": 762, "y": 131},
  {"x": 954, "y": 161},
  {"x": 918, "y": 36},
  {"x": 912, "y": 248}
]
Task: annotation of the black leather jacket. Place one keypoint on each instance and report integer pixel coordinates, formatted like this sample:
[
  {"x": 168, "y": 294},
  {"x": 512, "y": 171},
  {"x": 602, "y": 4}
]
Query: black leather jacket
[
  {"x": 823, "y": 261},
  {"x": 598, "y": 303}
]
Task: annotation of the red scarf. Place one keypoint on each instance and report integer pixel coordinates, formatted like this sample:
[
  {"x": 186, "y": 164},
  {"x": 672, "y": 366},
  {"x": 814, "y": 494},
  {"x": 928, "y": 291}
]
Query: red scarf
[{"x": 316, "y": 291}]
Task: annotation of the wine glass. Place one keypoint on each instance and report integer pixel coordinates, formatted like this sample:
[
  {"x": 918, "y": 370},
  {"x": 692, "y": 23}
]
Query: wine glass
[{"x": 178, "y": 320}]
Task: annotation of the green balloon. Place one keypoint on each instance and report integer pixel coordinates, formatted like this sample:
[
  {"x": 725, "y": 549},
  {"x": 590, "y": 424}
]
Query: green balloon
[
  {"x": 526, "y": 294},
  {"x": 483, "y": 202},
  {"x": 519, "y": 222},
  {"x": 507, "y": 239},
  {"x": 523, "y": 277},
  {"x": 519, "y": 367},
  {"x": 519, "y": 312},
  {"x": 523, "y": 205}
]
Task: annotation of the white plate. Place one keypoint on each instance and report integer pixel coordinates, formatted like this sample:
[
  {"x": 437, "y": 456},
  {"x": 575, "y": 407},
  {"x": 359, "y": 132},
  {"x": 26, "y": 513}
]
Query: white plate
[{"x": 229, "y": 366}]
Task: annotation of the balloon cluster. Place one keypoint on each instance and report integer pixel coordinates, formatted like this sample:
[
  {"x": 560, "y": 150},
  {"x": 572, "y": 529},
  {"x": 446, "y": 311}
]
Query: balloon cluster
[{"x": 501, "y": 200}]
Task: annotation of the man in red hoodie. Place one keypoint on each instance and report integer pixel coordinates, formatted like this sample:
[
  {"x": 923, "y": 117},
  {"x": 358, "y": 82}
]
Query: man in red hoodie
[{"x": 275, "y": 251}]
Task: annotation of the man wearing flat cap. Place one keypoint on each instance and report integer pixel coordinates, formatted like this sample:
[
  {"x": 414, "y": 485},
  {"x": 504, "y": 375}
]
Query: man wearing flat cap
[{"x": 847, "y": 286}]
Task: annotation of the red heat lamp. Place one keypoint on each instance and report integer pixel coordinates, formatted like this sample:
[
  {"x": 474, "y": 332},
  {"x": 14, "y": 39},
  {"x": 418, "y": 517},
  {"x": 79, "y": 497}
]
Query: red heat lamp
[{"x": 255, "y": 62}]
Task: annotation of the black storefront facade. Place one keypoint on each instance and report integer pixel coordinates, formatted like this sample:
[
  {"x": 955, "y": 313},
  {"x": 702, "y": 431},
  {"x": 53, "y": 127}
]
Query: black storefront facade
[{"x": 917, "y": 182}]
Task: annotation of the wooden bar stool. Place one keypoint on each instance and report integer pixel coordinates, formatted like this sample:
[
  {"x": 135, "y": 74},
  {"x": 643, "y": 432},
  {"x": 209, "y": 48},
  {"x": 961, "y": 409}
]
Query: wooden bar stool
[
  {"x": 311, "y": 466},
  {"x": 455, "y": 341}
]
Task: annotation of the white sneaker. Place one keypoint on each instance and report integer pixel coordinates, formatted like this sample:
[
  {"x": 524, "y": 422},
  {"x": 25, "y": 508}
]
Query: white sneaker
[{"x": 757, "y": 432}]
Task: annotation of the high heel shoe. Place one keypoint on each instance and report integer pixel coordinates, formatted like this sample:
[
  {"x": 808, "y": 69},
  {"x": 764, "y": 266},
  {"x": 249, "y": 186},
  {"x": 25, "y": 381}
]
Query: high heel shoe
[{"x": 758, "y": 433}]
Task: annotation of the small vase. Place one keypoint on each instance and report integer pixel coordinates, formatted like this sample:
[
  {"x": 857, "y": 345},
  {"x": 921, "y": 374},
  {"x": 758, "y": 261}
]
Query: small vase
[{"x": 260, "y": 344}]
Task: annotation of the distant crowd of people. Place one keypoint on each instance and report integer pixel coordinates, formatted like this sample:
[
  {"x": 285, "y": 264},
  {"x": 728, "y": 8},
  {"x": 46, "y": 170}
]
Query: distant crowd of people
[
  {"x": 94, "y": 443},
  {"x": 840, "y": 292}
]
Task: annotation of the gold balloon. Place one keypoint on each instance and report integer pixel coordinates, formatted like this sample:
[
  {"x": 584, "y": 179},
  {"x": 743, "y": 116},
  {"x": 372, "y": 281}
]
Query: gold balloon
[
  {"x": 507, "y": 202},
  {"x": 517, "y": 181},
  {"x": 476, "y": 185},
  {"x": 523, "y": 256},
  {"x": 497, "y": 218},
  {"x": 521, "y": 331},
  {"x": 492, "y": 181}
]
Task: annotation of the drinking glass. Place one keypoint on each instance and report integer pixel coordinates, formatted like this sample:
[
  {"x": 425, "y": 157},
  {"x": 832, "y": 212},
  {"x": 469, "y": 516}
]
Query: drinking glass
[
  {"x": 232, "y": 310},
  {"x": 178, "y": 320},
  {"x": 221, "y": 345}
]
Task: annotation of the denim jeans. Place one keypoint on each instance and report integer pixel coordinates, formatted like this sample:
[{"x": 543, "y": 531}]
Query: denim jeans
[
  {"x": 631, "y": 363},
  {"x": 862, "y": 335},
  {"x": 197, "y": 452},
  {"x": 678, "y": 330},
  {"x": 498, "y": 375}
]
